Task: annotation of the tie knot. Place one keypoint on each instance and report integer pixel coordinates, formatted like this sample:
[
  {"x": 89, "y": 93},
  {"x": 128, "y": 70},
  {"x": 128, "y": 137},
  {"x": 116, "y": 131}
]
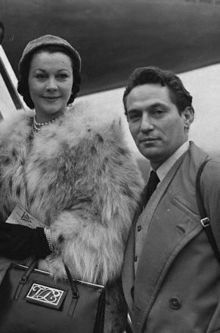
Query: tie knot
[
  {"x": 153, "y": 179},
  {"x": 150, "y": 187}
]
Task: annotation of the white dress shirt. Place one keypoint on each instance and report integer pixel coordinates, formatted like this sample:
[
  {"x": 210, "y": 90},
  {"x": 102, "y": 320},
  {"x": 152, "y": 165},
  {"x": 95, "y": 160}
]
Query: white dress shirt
[{"x": 163, "y": 170}]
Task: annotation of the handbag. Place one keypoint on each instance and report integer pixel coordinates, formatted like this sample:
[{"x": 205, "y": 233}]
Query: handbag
[
  {"x": 205, "y": 220},
  {"x": 31, "y": 301}
]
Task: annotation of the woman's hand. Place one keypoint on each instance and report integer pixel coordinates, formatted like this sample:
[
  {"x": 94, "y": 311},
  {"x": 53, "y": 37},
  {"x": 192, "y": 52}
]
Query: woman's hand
[{"x": 20, "y": 242}]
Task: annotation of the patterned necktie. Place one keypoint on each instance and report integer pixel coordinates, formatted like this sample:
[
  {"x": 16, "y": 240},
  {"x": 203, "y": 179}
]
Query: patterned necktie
[{"x": 149, "y": 188}]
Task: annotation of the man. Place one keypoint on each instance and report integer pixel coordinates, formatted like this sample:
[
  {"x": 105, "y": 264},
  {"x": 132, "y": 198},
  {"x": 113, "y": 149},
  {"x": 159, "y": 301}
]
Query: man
[{"x": 171, "y": 277}]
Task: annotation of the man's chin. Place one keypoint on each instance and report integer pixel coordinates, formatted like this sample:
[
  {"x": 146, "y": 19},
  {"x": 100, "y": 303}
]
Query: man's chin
[{"x": 150, "y": 153}]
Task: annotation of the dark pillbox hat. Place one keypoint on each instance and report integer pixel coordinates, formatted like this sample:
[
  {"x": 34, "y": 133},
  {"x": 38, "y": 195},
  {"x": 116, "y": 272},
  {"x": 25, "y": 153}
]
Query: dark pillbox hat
[{"x": 50, "y": 40}]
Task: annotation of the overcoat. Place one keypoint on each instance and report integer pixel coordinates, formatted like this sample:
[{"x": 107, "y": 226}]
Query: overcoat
[
  {"x": 78, "y": 177},
  {"x": 177, "y": 284}
]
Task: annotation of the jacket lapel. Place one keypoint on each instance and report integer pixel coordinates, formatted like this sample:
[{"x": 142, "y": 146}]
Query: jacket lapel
[{"x": 158, "y": 194}]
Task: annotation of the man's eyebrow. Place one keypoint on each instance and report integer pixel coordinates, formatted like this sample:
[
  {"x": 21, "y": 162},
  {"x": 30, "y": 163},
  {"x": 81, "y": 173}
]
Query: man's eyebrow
[
  {"x": 157, "y": 104},
  {"x": 134, "y": 110}
]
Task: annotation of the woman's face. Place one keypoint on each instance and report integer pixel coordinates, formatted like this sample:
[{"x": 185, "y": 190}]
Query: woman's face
[{"x": 50, "y": 83}]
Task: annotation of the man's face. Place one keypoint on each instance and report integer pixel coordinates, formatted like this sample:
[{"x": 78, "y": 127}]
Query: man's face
[{"x": 155, "y": 123}]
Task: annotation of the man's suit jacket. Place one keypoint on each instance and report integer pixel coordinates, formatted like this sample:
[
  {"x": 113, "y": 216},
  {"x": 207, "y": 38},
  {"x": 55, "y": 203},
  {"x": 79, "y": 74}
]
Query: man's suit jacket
[{"x": 177, "y": 282}]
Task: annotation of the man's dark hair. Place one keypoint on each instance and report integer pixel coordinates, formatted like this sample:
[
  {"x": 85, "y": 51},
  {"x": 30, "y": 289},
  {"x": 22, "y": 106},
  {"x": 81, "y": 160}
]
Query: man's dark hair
[
  {"x": 23, "y": 87},
  {"x": 154, "y": 75}
]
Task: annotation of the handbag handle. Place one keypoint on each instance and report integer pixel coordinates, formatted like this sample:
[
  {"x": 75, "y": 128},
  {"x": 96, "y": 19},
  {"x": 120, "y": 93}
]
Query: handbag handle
[
  {"x": 33, "y": 265},
  {"x": 205, "y": 221},
  {"x": 73, "y": 285}
]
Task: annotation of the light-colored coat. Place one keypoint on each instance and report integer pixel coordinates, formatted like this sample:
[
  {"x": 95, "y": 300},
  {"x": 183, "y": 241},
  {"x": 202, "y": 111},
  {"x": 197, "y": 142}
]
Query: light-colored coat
[
  {"x": 177, "y": 283},
  {"x": 82, "y": 182}
]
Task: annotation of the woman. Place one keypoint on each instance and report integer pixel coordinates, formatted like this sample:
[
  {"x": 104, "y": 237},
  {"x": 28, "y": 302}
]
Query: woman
[{"x": 72, "y": 178}]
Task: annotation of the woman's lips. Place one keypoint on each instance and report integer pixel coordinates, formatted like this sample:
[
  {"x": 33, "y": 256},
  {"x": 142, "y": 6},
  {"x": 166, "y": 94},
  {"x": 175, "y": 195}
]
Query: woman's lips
[{"x": 51, "y": 99}]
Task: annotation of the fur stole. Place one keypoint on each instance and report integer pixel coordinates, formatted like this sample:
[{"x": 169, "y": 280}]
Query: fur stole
[{"x": 82, "y": 182}]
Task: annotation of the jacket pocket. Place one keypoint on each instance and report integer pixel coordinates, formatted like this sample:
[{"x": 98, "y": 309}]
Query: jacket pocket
[{"x": 184, "y": 207}]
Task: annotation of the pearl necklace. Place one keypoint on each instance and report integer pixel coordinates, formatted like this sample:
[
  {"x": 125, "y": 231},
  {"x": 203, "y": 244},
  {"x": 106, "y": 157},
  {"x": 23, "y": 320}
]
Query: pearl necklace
[{"x": 37, "y": 126}]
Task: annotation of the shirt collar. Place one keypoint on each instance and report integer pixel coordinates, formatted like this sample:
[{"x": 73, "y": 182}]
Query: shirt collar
[{"x": 167, "y": 165}]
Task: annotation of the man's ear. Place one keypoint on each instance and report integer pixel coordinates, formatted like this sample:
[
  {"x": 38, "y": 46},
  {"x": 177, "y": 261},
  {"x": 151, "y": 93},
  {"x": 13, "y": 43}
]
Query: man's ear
[{"x": 188, "y": 116}]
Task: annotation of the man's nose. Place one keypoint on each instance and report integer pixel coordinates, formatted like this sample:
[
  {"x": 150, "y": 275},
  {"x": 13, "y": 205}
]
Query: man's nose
[{"x": 146, "y": 122}]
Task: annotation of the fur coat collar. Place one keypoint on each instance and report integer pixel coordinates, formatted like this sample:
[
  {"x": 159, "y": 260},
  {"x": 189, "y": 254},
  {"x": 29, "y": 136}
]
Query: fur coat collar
[{"x": 81, "y": 181}]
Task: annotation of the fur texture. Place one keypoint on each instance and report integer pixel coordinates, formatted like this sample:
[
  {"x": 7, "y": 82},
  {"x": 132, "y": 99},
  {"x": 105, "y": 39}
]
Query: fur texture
[{"x": 82, "y": 182}]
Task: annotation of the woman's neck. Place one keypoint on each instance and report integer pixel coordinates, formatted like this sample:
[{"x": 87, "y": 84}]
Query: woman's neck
[
  {"x": 47, "y": 118},
  {"x": 39, "y": 122}
]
